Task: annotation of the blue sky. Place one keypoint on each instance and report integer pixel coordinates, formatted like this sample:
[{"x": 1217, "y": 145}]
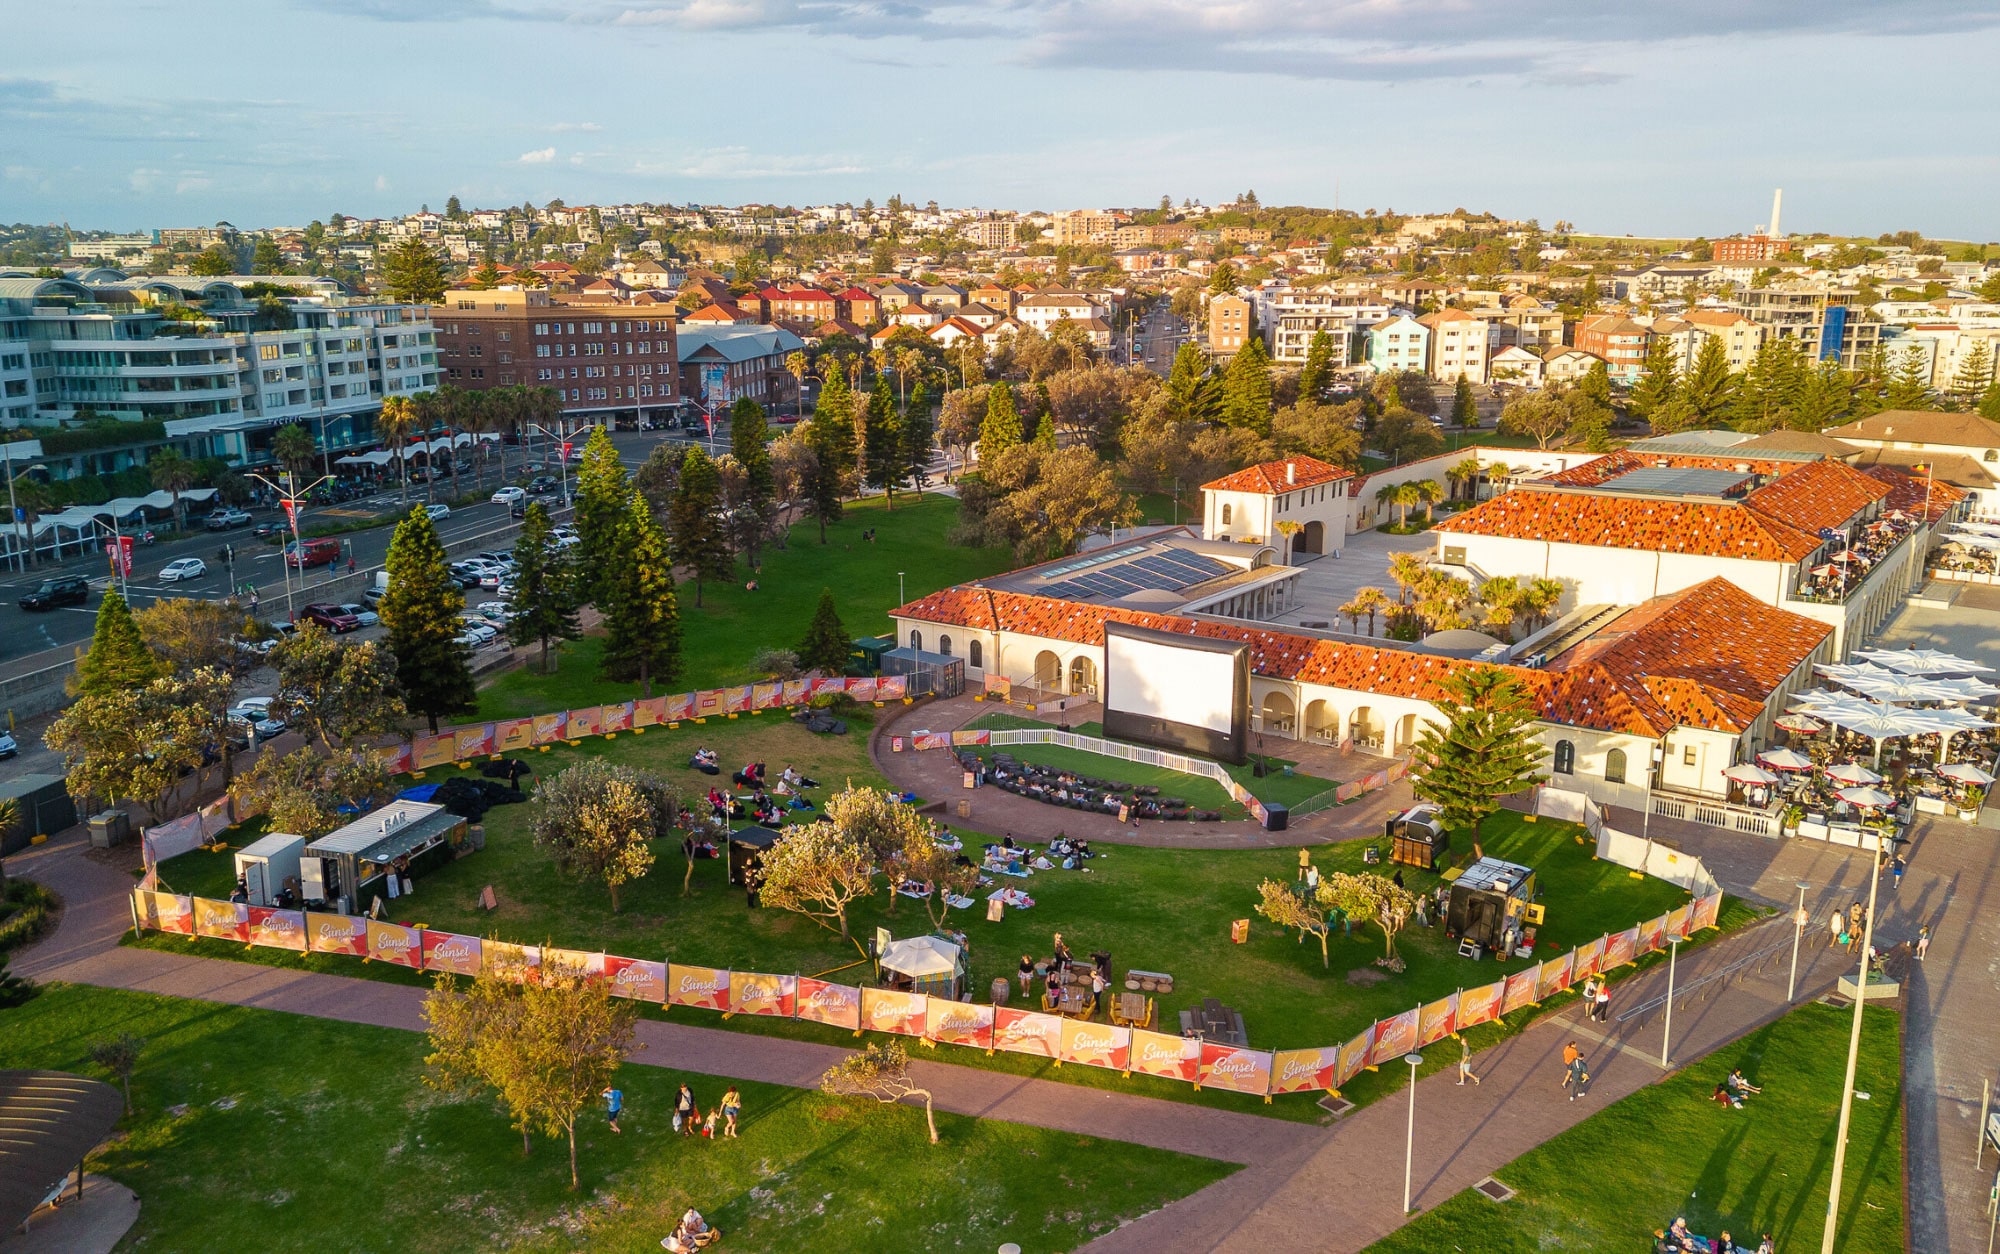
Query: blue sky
[{"x": 1674, "y": 116}]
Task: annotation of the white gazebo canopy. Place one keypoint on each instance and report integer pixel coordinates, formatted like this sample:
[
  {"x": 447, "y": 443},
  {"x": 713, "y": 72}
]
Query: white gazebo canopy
[
  {"x": 1924, "y": 662},
  {"x": 922, "y": 958}
]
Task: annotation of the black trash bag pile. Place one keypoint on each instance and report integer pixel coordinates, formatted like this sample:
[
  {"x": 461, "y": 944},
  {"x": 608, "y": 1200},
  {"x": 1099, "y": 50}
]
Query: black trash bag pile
[
  {"x": 470, "y": 798},
  {"x": 821, "y": 723}
]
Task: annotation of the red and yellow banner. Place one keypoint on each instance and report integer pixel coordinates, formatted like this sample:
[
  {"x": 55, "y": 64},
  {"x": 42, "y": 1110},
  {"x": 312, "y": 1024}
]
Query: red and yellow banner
[
  {"x": 427, "y": 752},
  {"x": 679, "y": 707},
  {"x": 1305, "y": 1070},
  {"x": 449, "y": 951},
  {"x": 1553, "y": 977},
  {"x": 752, "y": 993},
  {"x": 169, "y": 912},
  {"x": 888, "y": 1010},
  {"x": 1027, "y": 1032},
  {"x": 891, "y": 687},
  {"x": 392, "y": 942},
  {"x": 1677, "y": 922},
  {"x": 1706, "y": 912},
  {"x": 472, "y": 742},
  {"x": 1394, "y": 1037},
  {"x": 649, "y": 712},
  {"x": 1588, "y": 956},
  {"x": 1480, "y": 1005},
  {"x": 513, "y": 735},
  {"x": 959, "y": 1023},
  {"x": 1170, "y": 1057},
  {"x": 550, "y": 728},
  {"x": 585, "y": 722},
  {"x": 767, "y": 696},
  {"x": 575, "y": 961},
  {"x": 1619, "y": 949},
  {"x": 1096, "y": 1044},
  {"x": 395, "y": 760},
  {"x": 1653, "y": 935},
  {"x": 862, "y": 689},
  {"x": 1438, "y": 1020},
  {"x": 708, "y": 703},
  {"x": 336, "y": 934},
  {"x": 1234, "y": 1068},
  {"x": 1353, "y": 1056},
  {"x": 797, "y": 691},
  {"x": 838, "y": 1005},
  {"x": 223, "y": 920},
  {"x": 515, "y": 962},
  {"x": 977, "y": 737},
  {"x": 1521, "y": 988},
  {"x": 736, "y": 700},
  {"x": 617, "y": 718},
  {"x": 821, "y": 687},
  {"x": 636, "y": 978},
  {"x": 278, "y": 929},
  {"x": 706, "y": 987}
]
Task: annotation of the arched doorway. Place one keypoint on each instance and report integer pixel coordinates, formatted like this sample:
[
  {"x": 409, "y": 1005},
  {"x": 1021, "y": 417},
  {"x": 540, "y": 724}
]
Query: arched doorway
[
  {"x": 1311, "y": 540},
  {"x": 1280, "y": 715},
  {"x": 1406, "y": 732},
  {"x": 1048, "y": 671},
  {"x": 1322, "y": 722},
  {"x": 1082, "y": 676},
  {"x": 1364, "y": 731}
]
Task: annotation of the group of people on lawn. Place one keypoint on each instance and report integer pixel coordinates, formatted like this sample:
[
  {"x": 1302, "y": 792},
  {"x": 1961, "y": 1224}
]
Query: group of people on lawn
[
  {"x": 1676, "y": 1239},
  {"x": 693, "y": 1232},
  {"x": 1055, "y": 971}
]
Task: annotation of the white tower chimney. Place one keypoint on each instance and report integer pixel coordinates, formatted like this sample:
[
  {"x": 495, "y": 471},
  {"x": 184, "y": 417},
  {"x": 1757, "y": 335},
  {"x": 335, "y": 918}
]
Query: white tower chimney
[{"x": 1777, "y": 203}]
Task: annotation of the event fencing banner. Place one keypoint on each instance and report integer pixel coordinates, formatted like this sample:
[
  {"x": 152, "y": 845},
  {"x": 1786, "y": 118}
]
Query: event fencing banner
[
  {"x": 971, "y": 737},
  {"x": 766, "y": 696},
  {"x": 838, "y": 1005},
  {"x": 431, "y": 751},
  {"x": 1438, "y": 1020},
  {"x": 1619, "y": 949},
  {"x": 1305, "y": 1070},
  {"x": 862, "y": 689},
  {"x": 753, "y": 993},
  {"x": 821, "y": 686},
  {"x": 636, "y": 978},
  {"x": 449, "y": 951},
  {"x": 1588, "y": 956},
  {"x": 223, "y": 920},
  {"x": 649, "y": 712},
  {"x": 617, "y": 718},
  {"x": 584, "y": 722},
  {"x": 395, "y": 759},
  {"x": 959, "y": 1023},
  {"x": 1347, "y": 791},
  {"x": 1480, "y": 1005},
  {"x": 1553, "y": 977},
  {"x": 1520, "y": 990},
  {"x": 392, "y": 942},
  {"x": 706, "y": 987},
  {"x": 1354, "y": 1056},
  {"x": 1096, "y": 1044},
  {"x": 472, "y": 742},
  {"x": 892, "y": 687},
  {"x": 888, "y": 1010},
  {"x": 930, "y": 740},
  {"x": 515, "y": 962},
  {"x": 550, "y": 728},
  {"x": 513, "y": 735},
  {"x": 679, "y": 707},
  {"x": 278, "y": 929},
  {"x": 1170, "y": 1057},
  {"x": 707, "y": 704},
  {"x": 1027, "y": 1032},
  {"x": 1677, "y": 922},
  {"x": 736, "y": 700},
  {"x": 170, "y": 912},
  {"x": 576, "y": 961},
  {"x": 1653, "y": 935},
  {"x": 1239, "y": 1070},
  {"x": 336, "y": 934},
  {"x": 1394, "y": 1037},
  {"x": 798, "y": 691},
  {"x": 1706, "y": 911}
]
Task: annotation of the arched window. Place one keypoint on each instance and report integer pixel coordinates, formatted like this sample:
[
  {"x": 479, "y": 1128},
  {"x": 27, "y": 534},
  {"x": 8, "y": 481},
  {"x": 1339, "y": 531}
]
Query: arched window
[
  {"x": 944, "y": 645},
  {"x": 917, "y": 641},
  {"x": 975, "y": 656},
  {"x": 1614, "y": 767},
  {"x": 1226, "y": 511},
  {"x": 1565, "y": 763}
]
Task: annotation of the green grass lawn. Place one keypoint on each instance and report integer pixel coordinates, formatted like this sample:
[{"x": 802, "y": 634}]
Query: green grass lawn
[
  {"x": 1610, "y": 1182},
  {"x": 1156, "y": 909},
  {"x": 259, "y": 1130},
  {"x": 721, "y": 635}
]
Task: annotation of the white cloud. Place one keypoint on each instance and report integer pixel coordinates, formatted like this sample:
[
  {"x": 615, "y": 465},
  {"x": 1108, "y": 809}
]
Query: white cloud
[
  {"x": 565, "y": 127},
  {"x": 381, "y": 182},
  {"x": 540, "y": 156}
]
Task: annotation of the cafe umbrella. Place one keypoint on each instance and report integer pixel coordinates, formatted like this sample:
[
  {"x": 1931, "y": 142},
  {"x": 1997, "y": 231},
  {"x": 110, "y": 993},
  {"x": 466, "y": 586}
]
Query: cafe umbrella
[
  {"x": 1853, "y": 773},
  {"x": 1865, "y": 798},
  {"x": 1785, "y": 760},
  {"x": 1965, "y": 773}
]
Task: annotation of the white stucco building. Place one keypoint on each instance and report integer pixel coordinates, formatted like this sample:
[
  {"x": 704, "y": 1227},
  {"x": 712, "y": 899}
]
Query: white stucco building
[{"x": 1261, "y": 504}]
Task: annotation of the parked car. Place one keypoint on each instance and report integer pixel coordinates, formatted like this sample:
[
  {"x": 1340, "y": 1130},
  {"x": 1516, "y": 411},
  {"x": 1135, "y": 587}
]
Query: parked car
[
  {"x": 330, "y": 616},
  {"x": 510, "y": 494},
  {"x": 466, "y": 573},
  {"x": 361, "y": 613},
  {"x": 7, "y": 746},
  {"x": 224, "y": 519},
  {"x": 322, "y": 552},
  {"x": 63, "y": 590},
  {"x": 255, "y": 713},
  {"x": 542, "y": 485},
  {"x": 479, "y": 629},
  {"x": 437, "y": 511},
  {"x": 183, "y": 568},
  {"x": 269, "y": 530},
  {"x": 495, "y": 612}
]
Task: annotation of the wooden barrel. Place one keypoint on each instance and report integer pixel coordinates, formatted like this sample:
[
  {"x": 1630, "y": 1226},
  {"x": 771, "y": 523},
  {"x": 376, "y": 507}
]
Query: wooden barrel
[{"x": 1002, "y": 989}]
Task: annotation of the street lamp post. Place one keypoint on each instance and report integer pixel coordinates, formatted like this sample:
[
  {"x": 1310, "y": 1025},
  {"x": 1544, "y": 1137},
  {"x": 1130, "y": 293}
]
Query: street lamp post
[
  {"x": 1853, "y": 1053},
  {"x": 1410, "y": 1142},
  {"x": 900, "y": 598},
  {"x": 18, "y": 527},
  {"x": 1667, "y": 1036},
  {"x": 290, "y": 501},
  {"x": 561, "y": 436},
  {"x": 1798, "y": 930}
]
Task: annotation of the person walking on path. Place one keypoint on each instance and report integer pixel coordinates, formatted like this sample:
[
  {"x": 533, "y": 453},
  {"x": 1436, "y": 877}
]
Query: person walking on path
[
  {"x": 1603, "y": 1008},
  {"x": 1896, "y": 869},
  {"x": 1579, "y": 1079},
  {"x": 1590, "y": 998},
  {"x": 1571, "y": 1055},
  {"x": 732, "y": 1106},
  {"x": 1839, "y": 925},
  {"x": 1061, "y": 960},
  {"x": 1465, "y": 1063},
  {"x": 1923, "y": 941},
  {"x": 684, "y": 1111},
  {"x": 614, "y": 1101}
]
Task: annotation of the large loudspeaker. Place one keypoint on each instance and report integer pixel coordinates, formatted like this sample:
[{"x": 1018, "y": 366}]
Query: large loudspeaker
[{"x": 1276, "y": 817}]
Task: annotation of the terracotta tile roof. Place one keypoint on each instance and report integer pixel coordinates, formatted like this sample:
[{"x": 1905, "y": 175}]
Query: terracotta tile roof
[
  {"x": 1591, "y": 473},
  {"x": 1928, "y": 497},
  {"x": 1817, "y": 494},
  {"x": 1270, "y": 479}
]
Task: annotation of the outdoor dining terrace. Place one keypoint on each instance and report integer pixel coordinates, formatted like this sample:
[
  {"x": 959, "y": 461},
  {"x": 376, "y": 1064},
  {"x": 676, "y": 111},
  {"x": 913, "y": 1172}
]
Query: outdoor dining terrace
[{"x": 1845, "y": 571}]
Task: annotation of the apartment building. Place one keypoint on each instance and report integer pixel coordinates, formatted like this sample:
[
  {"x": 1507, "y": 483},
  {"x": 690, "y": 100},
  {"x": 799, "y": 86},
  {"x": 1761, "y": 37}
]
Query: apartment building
[
  {"x": 721, "y": 365},
  {"x": 1044, "y": 311},
  {"x": 609, "y": 362},
  {"x": 1082, "y": 226},
  {"x": 1751, "y": 249},
  {"x": 1824, "y": 320},
  {"x": 1520, "y": 321},
  {"x": 1229, "y": 324},
  {"x": 1399, "y": 344},
  {"x": 1618, "y": 340},
  {"x": 1290, "y": 317},
  {"x": 988, "y": 232},
  {"x": 1687, "y": 333},
  {"x": 1458, "y": 346}
]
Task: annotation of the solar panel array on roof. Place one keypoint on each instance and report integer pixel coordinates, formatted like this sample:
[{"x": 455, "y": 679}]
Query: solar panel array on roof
[
  {"x": 1168, "y": 571},
  {"x": 1678, "y": 481}
]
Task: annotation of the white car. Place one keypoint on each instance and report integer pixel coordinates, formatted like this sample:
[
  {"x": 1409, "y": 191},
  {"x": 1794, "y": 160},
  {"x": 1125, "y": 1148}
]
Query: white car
[
  {"x": 509, "y": 495},
  {"x": 183, "y": 568},
  {"x": 438, "y": 511},
  {"x": 479, "y": 629},
  {"x": 255, "y": 712},
  {"x": 495, "y": 612},
  {"x": 362, "y": 614}
]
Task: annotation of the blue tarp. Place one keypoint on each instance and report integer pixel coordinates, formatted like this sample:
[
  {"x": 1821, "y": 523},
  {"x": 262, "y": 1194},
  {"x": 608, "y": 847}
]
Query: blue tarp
[{"x": 422, "y": 792}]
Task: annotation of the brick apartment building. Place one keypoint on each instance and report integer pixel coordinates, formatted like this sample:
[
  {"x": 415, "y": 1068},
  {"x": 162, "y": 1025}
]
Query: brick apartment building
[
  {"x": 608, "y": 362},
  {"x": 1753, "y": 249},
  {"x": 1620, "y": 341}
]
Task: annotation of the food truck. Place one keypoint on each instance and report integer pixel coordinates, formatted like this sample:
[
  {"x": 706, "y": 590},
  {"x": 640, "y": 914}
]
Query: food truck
[
  {"x": 1417, "y": 838},
  {"x": 348, "y": 870},
  {"x": 1487, "y": 899}
]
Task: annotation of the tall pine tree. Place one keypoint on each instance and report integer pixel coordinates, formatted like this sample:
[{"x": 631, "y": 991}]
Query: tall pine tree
[
  {"x": 1709, "y": 388},
  {"x": 882, "y": 442},
  {"x": 1659, "y": 382},
  {"x": 1002, "y": 428},
  {"x": 827, "y": 645},
  {"x": 413, "y": 274},
  {"x": 542, "y": 607},
  {"x": 1194, "y": 391},
  {"x": 601, "y": 489},
  {"x": 1317, "y": 374},
  {"x": 1909, "y": 382},
  {"x": 918, "y": 431},
  {"x": 118, "y": 659},
  {"x": 1246, "y": 388},
  {"x": 749, "y": 437},
  {"x": 642, "y": 619},
  {"x": 421, "y": 610},
  {"x": 1485, "y": 750},
  {"x": 831, "y": 432},
  {"x": 1464, "y": 410},
  {"x": 701, "y": 537}
]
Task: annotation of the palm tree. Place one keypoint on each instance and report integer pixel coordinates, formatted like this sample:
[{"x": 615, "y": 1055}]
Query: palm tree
[
  {"x": 1427, "y": 492},
  {"x": 1407, "y": 570},
  {"x": 798, "y": 367},
  {"x": 1467, "y": 473},
  {"x": 908, "y": 362},
  {"x": 1385, "y": 496},
  {"x": 1353, "y": 611},
  {"x": 879, "y": 358},
  {"x": 1371, "y": 601},
  {"x": 1540, "y": 598},
  {"x": 293, "y": 447},
  {"x": 1289, "y": 527},
  {"x": 176, "y": 474},
  {"x": 395, "y": 423},
  {"x": 1503, "y": 598},
  {"x": 429, "y": 409}
]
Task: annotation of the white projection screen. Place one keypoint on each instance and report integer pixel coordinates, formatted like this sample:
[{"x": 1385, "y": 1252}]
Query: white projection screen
[{"x": 1186, "y": 693}]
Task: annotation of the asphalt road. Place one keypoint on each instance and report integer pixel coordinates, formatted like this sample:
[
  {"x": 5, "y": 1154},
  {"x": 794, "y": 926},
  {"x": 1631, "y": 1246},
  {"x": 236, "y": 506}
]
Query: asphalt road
[
  {"x": 30, "y": 641},
  {"x": 1159, "y": 336}
]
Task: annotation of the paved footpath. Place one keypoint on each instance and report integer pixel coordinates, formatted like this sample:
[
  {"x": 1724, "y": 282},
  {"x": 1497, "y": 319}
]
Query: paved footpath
[{"x": 1302, "y": 1188}]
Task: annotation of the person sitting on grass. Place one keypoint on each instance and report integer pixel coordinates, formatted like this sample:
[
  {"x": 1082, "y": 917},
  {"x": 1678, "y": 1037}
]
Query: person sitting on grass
[
  {"x": 691, "y": 1234},
  {"x": 1740, "y": 1086},
  {"x": 1723, "y": 1097}
]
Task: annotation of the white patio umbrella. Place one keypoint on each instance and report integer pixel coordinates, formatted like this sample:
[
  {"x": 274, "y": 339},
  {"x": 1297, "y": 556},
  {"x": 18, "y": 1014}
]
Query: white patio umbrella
[
  {"x": 1966, "y": 688},
  {"x": 1750, "y": 773},
  {"x": 1844, "y": 672},
  {"x": 1785, "y": 760},
  {"x": 1800, "y": 723},
  {"x": 1866, "y": 798},
  {"x": 1924, "y": 662},
  {"x": 1910, "y": 689},
  {"x": 1965, "y": 773},
  {"x": 1853, "y": 773},
  {"x": 1948, "y": 722},
  {"x": 1880, "y": 722}
]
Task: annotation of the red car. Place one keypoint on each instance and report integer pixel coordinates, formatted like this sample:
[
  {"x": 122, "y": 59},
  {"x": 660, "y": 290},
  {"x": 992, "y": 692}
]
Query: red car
[{"x": 331, "y": 617}]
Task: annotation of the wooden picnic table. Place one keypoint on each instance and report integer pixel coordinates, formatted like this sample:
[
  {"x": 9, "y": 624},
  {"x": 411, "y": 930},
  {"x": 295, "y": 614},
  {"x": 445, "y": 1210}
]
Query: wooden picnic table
[{"x": 1132, "y": 1010}]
